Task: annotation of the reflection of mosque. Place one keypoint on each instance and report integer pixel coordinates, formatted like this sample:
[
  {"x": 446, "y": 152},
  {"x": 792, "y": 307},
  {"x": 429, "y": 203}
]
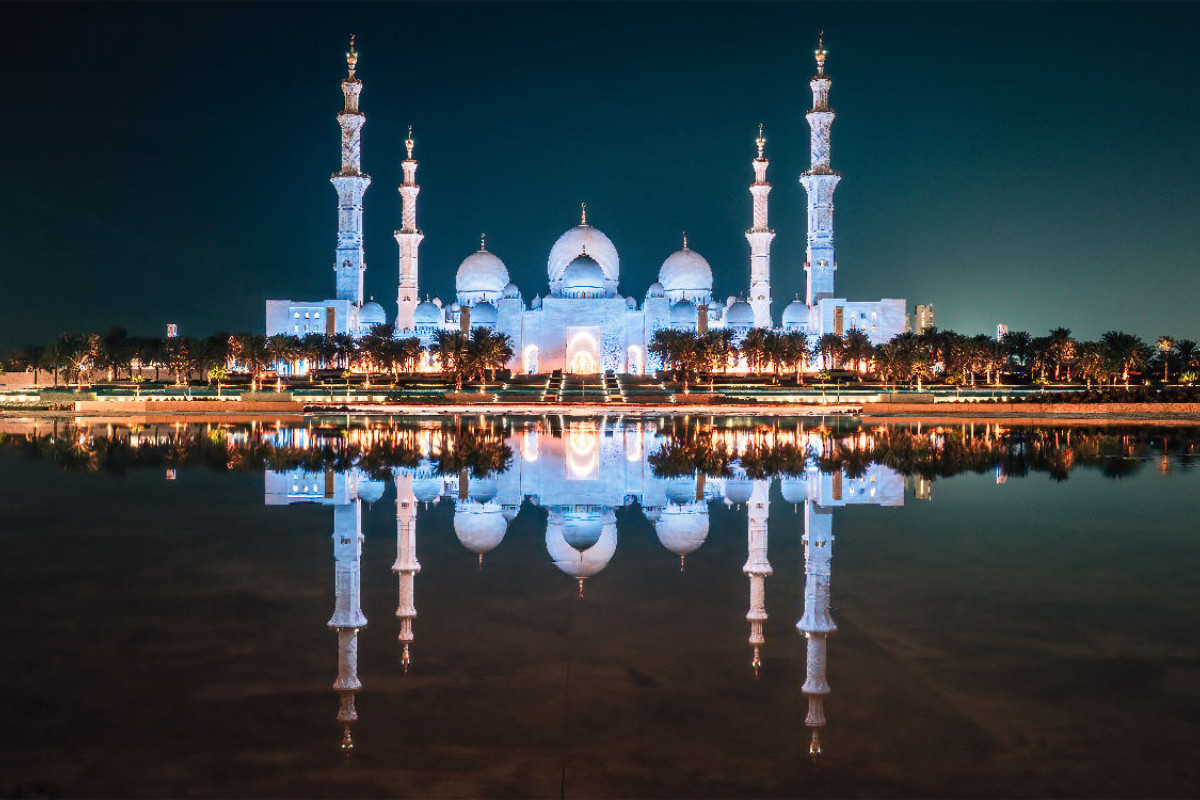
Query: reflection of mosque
[{"x": 581, "y": 472}]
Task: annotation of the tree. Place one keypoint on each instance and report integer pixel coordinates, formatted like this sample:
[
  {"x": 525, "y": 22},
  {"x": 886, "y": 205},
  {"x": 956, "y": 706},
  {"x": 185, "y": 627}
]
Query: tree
[
  {"x": 857, "y": 348},
  {"x": 1165, "y": 346},
  {"x": 718, "y": 349},
  {"x": 114, "y": 353},
  {"x": 250, "y": 350},
  {"x": 1186, "y": 355},
  {"x": 283, "y": 348},
  {"x": 1126, "y": 351},
  {"x": 796, "y": 352},
  {"x": 451, "y": 348},
  {"x": 830, "y": 346},
  {"x": 486, "y": 352},
  {"x": 754, "y": 348},
  {"x": 1018, "y": 346},
  {"x": 35, "y": 357},
  {"x": 1062, "y": 351}
]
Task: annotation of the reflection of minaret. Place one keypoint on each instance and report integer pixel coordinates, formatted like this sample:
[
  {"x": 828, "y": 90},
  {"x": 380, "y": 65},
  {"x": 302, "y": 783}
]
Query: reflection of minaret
[
  {"x": 816, "y": 624},
  {"x": 757, "y": 566},
  {"x": 347, "y": 614},
  {"x": 406, "y": 566}
]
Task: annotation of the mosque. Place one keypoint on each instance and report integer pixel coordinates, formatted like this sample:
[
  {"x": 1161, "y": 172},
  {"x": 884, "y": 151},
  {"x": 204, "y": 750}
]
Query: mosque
[
  {"x": 581, "y": 474},
  {"x": 584, "y": 324}
]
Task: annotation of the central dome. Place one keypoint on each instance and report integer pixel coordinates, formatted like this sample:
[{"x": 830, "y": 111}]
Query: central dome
[
  {"x": 686, "y": 272},
  {"x": 583, "y": 238},
  {"x": 481, "y": 272},
  {"x": 583, "y": 277}
]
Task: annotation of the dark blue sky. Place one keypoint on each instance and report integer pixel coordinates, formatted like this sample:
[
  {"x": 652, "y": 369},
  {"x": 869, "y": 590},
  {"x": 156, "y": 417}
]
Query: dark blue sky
[{"x": 1033, "y": 164}]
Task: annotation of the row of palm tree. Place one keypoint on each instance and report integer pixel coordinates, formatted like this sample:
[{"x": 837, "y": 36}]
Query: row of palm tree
[{"x": 115, "y": 355}]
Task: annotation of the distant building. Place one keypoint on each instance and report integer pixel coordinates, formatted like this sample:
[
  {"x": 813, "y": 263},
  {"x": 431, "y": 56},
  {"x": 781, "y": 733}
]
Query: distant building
[
  {"x": 1001, "y": 331},
  {"x": 924, "y": 319},
  {"x": 584, "y": 324}
]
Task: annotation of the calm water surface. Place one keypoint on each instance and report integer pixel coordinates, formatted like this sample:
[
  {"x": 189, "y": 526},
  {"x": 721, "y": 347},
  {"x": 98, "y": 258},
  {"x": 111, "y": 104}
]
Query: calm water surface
[{"x": 599, "y": 607}]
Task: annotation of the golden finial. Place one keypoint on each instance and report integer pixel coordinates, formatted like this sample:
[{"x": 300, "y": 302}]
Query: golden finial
[
  {"x": 347, "y": 740},
  {"x": 584, "y": 253},
  {"x": 757, "y": 661},
  {"x": 581, "y": 588},
  {"x": 821, "y": 53},
  {"x": 405, "y": 659},
  {"x": 583, "y": 213},
  {"x": 760, "y": 141},
  {"x": 409, "y": 142},
  {"x": 482, "y": 242},
  {"x": 481, "y": 562},
  {"x": 685, "y": 247},
  {"x": 352, "y": 57}
]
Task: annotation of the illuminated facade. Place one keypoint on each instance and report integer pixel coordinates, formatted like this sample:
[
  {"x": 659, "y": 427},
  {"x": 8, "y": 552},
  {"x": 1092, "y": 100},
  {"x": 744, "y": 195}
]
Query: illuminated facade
[{"x": 583, "y": 324}]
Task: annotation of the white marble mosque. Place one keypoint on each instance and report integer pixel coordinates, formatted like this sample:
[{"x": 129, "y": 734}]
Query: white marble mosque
[
  {"x": 584, "y": 324},
  {"x": 581, "y": 478}
]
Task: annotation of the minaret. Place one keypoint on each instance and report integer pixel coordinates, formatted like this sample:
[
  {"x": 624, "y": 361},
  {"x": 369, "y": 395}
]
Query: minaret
[
  {"x": 409, "y": 238},
  {"x": 406, "y": 566},
  {"x": 760, "y": 237},
  {"x": 757, "y": 566},
  {"x": 351, "y": 183},
  {"x": 816, "y": 624},
  {"x": 347, "y": 614},
  {"x": 819, "y": 182}
]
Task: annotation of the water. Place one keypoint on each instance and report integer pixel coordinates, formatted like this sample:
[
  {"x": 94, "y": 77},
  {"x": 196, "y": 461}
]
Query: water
[{"x": 1014, "y": 609}]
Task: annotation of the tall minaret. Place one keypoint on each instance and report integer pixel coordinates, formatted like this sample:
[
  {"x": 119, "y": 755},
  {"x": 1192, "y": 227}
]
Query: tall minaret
[
  {"x": 409, "y": 239},
  {"x": 820, "y": 182},
  {"x": 406, "y": 566},
  {"x": 816, "y": 624},
  {"x": 760, "y": 237},
  {"x": 351, "y": 183},
  {"x": 758, "y": 567},
  {"x": 347, "y": 614}
]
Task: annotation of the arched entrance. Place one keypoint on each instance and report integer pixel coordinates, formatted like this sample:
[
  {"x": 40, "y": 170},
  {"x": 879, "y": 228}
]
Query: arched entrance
[
  {"x": 583, "y": 352},
  {"x": 633, "y": 362},
  {"x": 583, "y": 363},
  {"x": 531, "y": 359}
]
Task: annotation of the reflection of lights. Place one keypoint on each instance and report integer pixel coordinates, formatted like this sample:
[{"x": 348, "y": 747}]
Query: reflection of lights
[
  {"x": 529, "y": 446},
  {"x": 582, "y": 450}
]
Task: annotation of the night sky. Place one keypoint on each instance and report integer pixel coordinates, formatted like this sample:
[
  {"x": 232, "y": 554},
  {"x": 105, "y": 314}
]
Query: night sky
[{"x": 1030, "y": 164}]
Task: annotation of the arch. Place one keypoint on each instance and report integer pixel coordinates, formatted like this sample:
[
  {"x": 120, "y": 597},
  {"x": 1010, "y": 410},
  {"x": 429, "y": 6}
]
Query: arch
[
  {"x": 583, "y": 352},
  {"x": 530, "y": 359},
  {"x": 633, "y": 361}
]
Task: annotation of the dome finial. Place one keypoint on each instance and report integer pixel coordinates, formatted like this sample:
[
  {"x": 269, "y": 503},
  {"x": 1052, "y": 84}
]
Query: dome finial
[
  {"x": 821, "y": 54},
  {"x": 352, "y": 57},
  {"x": 409, "y": 142},
  {"x": 583, "y": 213},
  {"x": 482, "y": 242},
  {"x": 584, "y": 249},
  {"x": 760, "y": 141},
  {"x": 685, "y": 247},
  {"x": 405, "y": 658}
]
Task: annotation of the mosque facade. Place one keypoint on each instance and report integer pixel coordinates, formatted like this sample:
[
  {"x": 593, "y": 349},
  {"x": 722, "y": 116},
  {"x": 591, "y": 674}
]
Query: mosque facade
[{"x": 583, "y": 323}]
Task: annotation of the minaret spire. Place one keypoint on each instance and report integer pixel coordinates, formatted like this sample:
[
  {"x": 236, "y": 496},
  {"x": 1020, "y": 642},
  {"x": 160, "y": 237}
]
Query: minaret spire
[
  {"x": 820, "y": 182},
  {"x": 409, "y": 240},
  {"x": 351, "y": 183},
  {"x": 760, "y": 236}
]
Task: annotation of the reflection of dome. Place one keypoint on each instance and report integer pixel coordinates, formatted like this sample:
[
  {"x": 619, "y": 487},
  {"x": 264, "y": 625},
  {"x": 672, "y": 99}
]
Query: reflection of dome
[
  {"x": 583, "y": 238},
  {"x": 581, "y": 564},
  {"x": 684, "y": 313},
  {"x": 371, "y": 314},
  {"x": 581, "y": 530},
  {"x": 483, "y": 314},
  {"x": 681, "y": 491},
  {"x": 682, "y": 530},
  {"x": 740, "y": 315},
  {"x": 795, "y": 491},
  {"x": 427, "y": 489},
  {"x": 686, "y": 271},
  {"x": 653, "y": 513},
  {"x": 481, "y": 272},
  {"x": 482, "y": 490},
  {"x": 479, "y": 527},
  {"x": 796, "y": 313},
  {"x": 583, "y": 277},
  {"x": 369, "y": 491},
  {"x": 427, "y": 314},
  {"x": 510, "y": 513},
  {"x": 738, "y": 491}
]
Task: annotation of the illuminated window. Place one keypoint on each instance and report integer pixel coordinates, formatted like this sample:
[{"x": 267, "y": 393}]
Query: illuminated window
[{"x": 297, "y": 315}]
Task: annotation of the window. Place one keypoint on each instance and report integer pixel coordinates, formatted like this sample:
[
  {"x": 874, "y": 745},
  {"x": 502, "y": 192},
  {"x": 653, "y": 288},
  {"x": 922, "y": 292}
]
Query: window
[{"x": 296, "y": 315}]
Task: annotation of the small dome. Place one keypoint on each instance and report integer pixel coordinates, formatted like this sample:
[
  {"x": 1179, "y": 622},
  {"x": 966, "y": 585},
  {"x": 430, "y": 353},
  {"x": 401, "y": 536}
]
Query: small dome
[
  {"x": 684, "y": 313},
  {"x": 656, "y": 290},
  {"x": 738, "y": 491},
  {"x": 479, "y": 527},
  {"x": 583, "y": 275},
  {"x": 483, "y": 314},
  {"x": 795, "y": 490},
  {"x": 426, "y": 490},
  {"x": 511, "y": 292},
  {"x": 427, "y": 314},
  {"x": 686, "y": 271},
  {"x": 682, "y": 530},
  {"x": 371, "y": 314},
  {"x": 580, "y": 239},
  {"x": 740, "y": 314},
  {"x": 796, "y": 313},
  {"x": 370, "y": 491},
  {"x": 481, "y": 272}
]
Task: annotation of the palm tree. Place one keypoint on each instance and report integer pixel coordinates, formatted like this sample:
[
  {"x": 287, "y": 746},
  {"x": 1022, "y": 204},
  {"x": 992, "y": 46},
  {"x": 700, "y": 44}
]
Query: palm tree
[
  {"x": 1165, "y": 345},
  {"x": 250, "y": 350},
  {"x": 831, "y": 347},
  {"x": 796, "y": 352},
  {"x": 1126, "y": 351},
  {"x": 177, "y": 358},
  {"x": 754, "y": 348},
  {"x": 1062, "y": 351},
  {"x": 1186, "y": 353},
  {"x": 718, "y": 349},
  {"x": 486, "y": 352},
  {"x": 36, "y": 358},
  {"x": 408, "y": 353},
  {"x": 283, "y": 348},
  {"x": 451, "y": 348},
  {"x": 1018, "y": 346},
  {"x": 114, "y": 353},
  {"x": 857, "y": 348}
]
